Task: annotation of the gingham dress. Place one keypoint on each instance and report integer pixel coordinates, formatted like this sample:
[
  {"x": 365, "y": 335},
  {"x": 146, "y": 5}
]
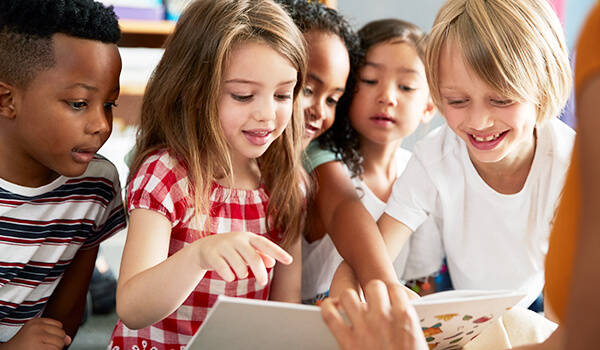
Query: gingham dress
[{"x": 161, "y": 184}]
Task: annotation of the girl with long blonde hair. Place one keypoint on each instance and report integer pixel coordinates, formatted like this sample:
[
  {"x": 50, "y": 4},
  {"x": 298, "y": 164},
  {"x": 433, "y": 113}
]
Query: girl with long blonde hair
[{"x": 215, "y": 190}]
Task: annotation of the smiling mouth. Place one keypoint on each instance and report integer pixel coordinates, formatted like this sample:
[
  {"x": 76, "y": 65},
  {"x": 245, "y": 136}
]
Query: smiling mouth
[
  {"x": 311, "y": 128},
  {"x": 258, "y": 133},
  {"x": 487, "y": 139}
]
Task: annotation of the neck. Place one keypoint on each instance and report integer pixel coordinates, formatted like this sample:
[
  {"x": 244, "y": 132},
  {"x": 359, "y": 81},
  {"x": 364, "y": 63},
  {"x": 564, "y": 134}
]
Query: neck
[
  {"x": 23, "y": 170},
  {"x": 379, "y": 164},
  {"x": 379, "y": 158},
  {"x": 245, "y": 176}
]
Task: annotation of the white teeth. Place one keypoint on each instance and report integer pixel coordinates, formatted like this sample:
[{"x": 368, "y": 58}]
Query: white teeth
[{"x": 486, "y": 139}]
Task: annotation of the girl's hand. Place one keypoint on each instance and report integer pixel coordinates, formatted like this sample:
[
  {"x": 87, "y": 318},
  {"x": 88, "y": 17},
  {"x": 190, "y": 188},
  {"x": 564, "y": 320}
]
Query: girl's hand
[
  {"x": 39, "y": 333},
  {"x": 230, "y": 255}
]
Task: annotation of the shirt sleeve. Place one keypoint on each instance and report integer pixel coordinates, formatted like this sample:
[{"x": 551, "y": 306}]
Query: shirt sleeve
[
  {"x": 112, "y": 218},
  {"x": 315, "y": 156},
  {"x": 159, "y": 185},
  {"x": 413, "y": 195}
]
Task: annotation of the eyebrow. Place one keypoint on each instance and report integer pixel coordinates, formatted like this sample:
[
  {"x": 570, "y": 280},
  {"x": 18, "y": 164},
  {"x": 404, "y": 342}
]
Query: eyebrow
[
  {"x": 90, "y": 87},
  {"x": 251, "y": 82},
  {"x": 317, "y": 78},
  {"x": 380, "y": 66}
]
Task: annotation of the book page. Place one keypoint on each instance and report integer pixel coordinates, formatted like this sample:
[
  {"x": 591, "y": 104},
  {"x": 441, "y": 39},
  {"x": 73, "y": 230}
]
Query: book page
[{"x": 452, "y": 319}]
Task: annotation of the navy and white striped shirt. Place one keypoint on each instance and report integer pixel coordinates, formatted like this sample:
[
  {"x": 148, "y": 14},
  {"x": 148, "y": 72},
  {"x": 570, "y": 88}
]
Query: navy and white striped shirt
[{"x": 41, "y": 230}]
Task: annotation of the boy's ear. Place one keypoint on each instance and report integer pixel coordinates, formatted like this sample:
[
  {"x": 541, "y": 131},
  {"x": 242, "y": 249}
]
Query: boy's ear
[
  {"x": 429, "y": 111},
  {"x": 7, "y": 105}
]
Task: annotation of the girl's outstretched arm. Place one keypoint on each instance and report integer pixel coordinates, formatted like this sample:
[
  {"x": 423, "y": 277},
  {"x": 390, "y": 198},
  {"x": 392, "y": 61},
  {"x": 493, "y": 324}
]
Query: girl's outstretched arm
[
  {"x": 395, "y": 235},
  {"x": 287, "y": 279},
  {"x": 351, "y": 227},
  {"x": 152, "y": 286}
]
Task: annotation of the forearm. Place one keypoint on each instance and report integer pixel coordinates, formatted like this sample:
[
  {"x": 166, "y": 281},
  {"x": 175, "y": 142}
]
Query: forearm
[
  {"x": 359, "y": 242},
  {"x": 67, "y": 302},
  {"x": 344, "y": 278},
  {"x": 155, "y": 293},
  {"x": 287, "y": 279}
]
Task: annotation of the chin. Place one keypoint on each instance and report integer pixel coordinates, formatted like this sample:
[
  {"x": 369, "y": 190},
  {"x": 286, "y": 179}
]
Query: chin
[
  {"x": 74, "y": 171},
  {"x": 306, "y": 141}
]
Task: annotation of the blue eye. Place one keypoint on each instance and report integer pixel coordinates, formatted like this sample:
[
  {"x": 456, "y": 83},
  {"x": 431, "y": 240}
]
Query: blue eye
[{"x": 307, "y": 91}]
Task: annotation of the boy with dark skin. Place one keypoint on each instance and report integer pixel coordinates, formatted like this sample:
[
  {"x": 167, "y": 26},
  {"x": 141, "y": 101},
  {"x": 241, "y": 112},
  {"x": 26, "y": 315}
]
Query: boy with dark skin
[{"x": 59, "y": 81}]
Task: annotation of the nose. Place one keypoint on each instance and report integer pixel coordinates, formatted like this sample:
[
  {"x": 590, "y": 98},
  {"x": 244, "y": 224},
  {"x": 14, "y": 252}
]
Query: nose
[
  {"x": 387, "y": 95},
  {"x": 313, "y": 109},
  {"x": 100, "y": 122},
  {"x": 479, "y": 118},
  {"x": 265, "y": 112}
]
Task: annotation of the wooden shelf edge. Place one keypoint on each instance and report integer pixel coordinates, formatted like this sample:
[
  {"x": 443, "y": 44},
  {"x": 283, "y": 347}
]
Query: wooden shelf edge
[{"x": 138, "y": 26}]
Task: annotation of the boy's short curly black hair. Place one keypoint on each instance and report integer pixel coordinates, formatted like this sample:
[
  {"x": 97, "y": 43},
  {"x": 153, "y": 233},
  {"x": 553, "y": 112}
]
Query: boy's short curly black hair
[{"x": 27, "y": 26}]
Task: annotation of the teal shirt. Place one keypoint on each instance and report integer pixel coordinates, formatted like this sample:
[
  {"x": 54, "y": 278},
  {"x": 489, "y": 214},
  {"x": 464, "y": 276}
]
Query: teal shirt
[{"x": 315, "y": 156}]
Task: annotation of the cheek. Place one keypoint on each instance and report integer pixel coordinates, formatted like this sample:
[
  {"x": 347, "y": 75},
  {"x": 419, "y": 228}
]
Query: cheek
[
  {"x": 452, "y": 117},
  {"x": 328, "y": 122},
  {"x": 357, "y": 110},
  {"x": 306, "y": 102},
  {"x": 284, "y": 115}
]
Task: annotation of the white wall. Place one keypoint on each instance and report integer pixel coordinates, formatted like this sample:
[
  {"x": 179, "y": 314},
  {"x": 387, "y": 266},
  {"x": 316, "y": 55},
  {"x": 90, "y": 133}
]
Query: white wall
[
  {"x": 419, "y": 12},
  {"x": 422, "y": 13}
]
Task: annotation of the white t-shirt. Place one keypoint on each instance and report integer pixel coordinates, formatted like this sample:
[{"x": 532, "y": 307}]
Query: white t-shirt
[
  {"x": 320, "y": 258},
  {"x": 491, "y": 240}
]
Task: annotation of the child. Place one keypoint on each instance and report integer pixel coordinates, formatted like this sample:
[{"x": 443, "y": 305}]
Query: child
[
  {"x": 494, "y": 173},
  {"x": 332, "y": 44},
  {"x": 59, "y": 80},
  {"x": 389, "y": 99},
  {"x": 572, "y": 254},
  {"x": 215, "y": 185},
  {"x": 334, "y": 206}
]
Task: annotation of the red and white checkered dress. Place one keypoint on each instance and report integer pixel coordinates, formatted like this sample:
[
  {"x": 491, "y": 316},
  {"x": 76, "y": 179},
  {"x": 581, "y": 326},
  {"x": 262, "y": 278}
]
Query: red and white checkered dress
[{"x": 161, "y": 184}]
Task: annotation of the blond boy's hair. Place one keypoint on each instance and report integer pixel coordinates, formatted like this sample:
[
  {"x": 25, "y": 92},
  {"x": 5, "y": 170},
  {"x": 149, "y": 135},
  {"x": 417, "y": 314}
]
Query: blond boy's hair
[{"x": 516, "y": 46}]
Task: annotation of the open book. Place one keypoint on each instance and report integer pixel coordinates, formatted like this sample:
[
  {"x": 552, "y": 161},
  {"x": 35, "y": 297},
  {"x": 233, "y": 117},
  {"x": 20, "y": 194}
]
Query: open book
[
  {"x": 449, "y": 321},
  {"x": 452, "y": 319}
]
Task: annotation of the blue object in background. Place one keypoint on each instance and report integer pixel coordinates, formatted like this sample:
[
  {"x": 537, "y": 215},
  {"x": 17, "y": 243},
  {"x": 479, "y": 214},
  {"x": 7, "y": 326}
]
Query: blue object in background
[{"x": 174, "y": 8}]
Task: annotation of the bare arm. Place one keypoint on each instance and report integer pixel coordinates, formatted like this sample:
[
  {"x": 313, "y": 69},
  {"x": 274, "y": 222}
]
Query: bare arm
[
  {"x": 145, "y": 271},
  {"x": 352, "y": 229},
  {"x": 149, "y": 278},
  {"x": 287, "y": 279},
  {"x": 67, "y": 303},
  {"x": 64, "y": 310},
  {"x": 395, "y": 234}
]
